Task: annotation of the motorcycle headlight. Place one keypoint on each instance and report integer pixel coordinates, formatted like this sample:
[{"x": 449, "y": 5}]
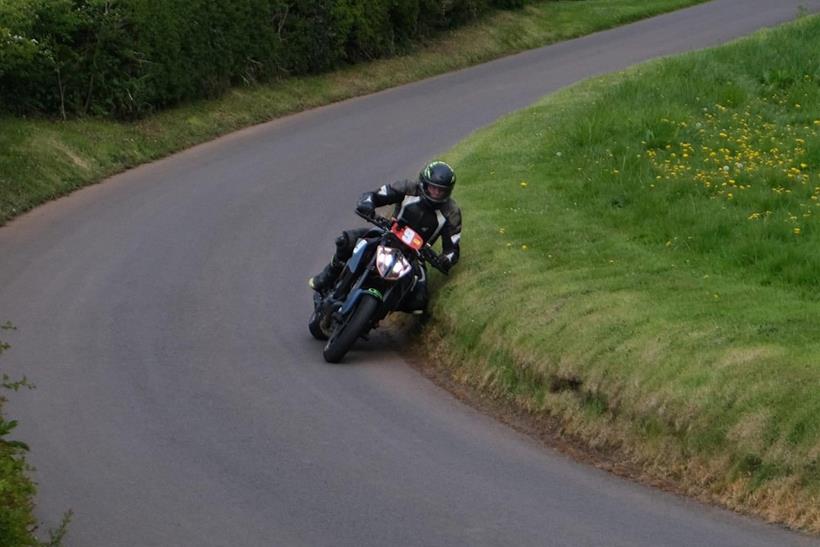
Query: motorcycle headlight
[{"x": 391, "y": 263}]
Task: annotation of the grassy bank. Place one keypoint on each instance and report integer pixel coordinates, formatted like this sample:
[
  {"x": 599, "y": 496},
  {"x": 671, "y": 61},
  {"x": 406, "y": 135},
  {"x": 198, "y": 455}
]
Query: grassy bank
[
  {"x": 41, "y": 159},
  {"x": 642, "y": 262}
]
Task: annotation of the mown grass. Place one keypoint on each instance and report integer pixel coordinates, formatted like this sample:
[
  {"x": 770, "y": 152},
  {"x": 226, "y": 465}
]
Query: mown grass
[
  {"x": 41, "y": 159},
  {"x": 641, "y": 260}
]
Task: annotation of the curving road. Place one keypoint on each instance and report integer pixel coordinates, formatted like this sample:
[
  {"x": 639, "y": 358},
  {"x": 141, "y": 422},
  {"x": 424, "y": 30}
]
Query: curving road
[{"x": 181, "y": 400}]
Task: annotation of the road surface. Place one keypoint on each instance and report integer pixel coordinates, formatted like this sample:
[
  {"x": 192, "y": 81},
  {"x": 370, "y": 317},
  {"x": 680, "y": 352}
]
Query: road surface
[{"x": 181, "y": 400}]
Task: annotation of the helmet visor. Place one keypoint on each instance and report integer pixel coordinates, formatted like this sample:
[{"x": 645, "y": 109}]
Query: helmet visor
[{"x": 437, "y": 193}]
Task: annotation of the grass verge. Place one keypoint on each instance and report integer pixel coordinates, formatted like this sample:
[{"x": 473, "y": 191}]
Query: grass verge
[
  {"x": 641, "y": 262},
  {"x": 41, "y": 159}
]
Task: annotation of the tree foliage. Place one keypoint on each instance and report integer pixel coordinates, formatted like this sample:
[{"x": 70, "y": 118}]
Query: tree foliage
[{"x": 126, "y": 58}]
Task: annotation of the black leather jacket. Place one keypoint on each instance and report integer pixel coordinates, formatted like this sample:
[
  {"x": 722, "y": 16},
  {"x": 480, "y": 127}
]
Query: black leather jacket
[{"x": 431, "y": 222}]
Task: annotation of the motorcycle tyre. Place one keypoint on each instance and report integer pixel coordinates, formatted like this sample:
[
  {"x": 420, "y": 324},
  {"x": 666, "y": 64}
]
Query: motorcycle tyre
[
  {"x": 346, "y": 334},
  {"x": 315, "y": 328}
]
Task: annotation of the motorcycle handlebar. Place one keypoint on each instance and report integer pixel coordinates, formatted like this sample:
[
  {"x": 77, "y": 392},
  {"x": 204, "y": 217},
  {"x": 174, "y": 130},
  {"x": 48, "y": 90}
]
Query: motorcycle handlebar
[
  {"x": 426, "y": 252},
  {"x": 378, "y": 220}
]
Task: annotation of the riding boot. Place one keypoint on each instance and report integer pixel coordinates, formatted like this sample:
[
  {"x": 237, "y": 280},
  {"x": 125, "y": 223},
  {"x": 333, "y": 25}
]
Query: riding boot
[{"x": 325, "y": 279}]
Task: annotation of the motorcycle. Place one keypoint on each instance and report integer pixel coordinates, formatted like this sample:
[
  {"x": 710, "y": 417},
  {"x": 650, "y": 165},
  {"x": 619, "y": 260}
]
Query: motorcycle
[{"x": 383, "y": 270}]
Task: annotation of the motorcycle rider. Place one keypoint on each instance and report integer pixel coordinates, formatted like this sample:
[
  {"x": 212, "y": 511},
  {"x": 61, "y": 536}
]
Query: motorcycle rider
[{"x": 424, "y": 205}]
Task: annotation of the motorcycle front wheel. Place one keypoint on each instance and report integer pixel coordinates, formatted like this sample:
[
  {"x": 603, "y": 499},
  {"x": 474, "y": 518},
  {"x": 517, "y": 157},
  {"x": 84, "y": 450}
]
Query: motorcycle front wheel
[
  {"x": 315, "y": 327},
  {"x": 353, "y": 326}
]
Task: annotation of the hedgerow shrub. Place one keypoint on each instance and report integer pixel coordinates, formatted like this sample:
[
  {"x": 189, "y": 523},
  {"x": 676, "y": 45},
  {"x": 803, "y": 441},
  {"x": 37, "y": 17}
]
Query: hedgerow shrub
[
  {"x": 18, "y": 526},
  {"x": 17, "y": 522},
  {"x": 129, "y": 57}
]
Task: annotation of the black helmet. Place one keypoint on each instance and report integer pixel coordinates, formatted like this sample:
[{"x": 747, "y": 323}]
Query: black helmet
[{"x": 436, "y": 182}]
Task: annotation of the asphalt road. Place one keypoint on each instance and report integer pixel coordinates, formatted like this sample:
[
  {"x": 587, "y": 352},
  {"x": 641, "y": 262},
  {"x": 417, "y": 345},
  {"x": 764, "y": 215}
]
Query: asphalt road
[{"x": 181, "y": 400}]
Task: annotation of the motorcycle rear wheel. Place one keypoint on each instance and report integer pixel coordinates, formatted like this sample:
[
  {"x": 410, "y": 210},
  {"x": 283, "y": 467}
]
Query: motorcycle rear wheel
[{"x": 355, "y": 325}]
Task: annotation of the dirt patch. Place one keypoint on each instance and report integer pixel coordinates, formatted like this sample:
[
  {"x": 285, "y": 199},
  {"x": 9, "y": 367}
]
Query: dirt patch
[{"x": 52, "y": 142}]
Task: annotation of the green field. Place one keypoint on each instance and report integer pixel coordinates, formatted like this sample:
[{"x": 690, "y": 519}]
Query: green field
[
  {"x": 41, "y": 159},
  {"x": 641, "y": 260}
]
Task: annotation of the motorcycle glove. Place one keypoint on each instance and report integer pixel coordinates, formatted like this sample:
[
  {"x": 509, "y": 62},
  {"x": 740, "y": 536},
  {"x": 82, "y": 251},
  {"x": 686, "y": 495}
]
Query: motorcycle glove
[
  {"x": 442, "y": 263},
  {"x": 365, "y": 206}
]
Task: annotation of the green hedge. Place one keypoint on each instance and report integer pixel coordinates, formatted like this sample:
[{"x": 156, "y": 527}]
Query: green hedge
[
  {"x": 126, "y": 58},
  {"x": 17, "y": 522}
]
